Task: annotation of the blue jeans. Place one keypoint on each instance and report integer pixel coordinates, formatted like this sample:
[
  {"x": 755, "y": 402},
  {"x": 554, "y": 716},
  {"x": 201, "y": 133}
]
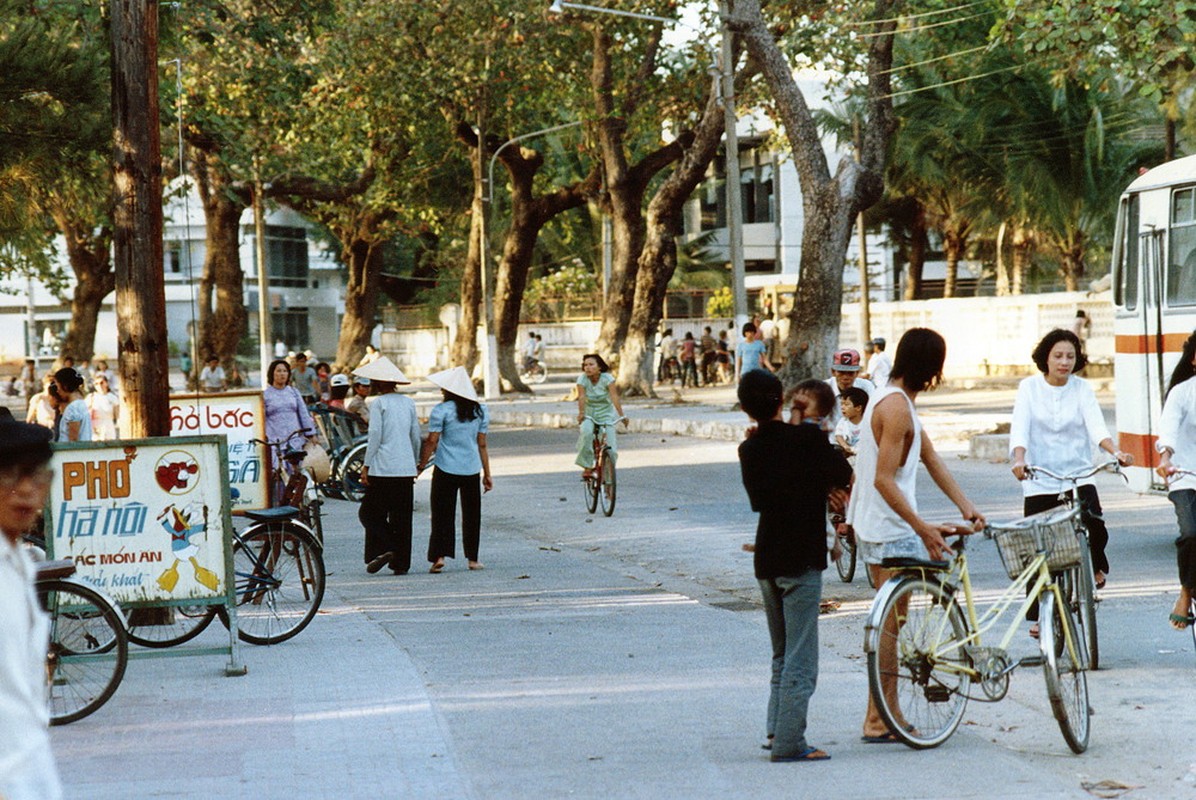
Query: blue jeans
[{"x": 791, "y": 606}]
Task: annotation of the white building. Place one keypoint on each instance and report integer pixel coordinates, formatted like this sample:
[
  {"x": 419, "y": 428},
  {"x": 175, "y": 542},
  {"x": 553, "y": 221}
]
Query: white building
[{"x": 306, "y": 288}]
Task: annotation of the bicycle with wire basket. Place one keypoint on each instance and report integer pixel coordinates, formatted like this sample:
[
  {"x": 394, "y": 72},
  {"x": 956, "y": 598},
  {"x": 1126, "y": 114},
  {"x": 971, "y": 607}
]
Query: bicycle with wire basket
[
  {"x": 600, "y": 484},
  {"x": 292, "y": 485},
  {"x": 925, "y": 639},
  {"x": 1079, "y": 582}
]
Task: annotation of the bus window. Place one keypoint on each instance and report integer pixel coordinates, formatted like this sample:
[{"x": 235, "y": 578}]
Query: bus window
[
  {"x": 1125, "y": 254},
  {"x": 1181, "y": 249}
]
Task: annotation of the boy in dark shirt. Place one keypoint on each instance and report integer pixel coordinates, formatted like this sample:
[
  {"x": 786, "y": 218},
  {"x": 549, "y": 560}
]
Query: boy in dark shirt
[{"x": 788, "y": 470}]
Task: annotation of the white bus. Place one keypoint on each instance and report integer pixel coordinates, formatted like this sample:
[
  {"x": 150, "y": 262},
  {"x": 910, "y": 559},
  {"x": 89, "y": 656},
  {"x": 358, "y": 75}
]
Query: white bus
[{"x": 1154, "y": 296}]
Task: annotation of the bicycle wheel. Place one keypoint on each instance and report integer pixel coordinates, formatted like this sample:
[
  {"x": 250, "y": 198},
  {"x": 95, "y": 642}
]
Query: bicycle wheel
[
  {"x": 1085, "y": 603},
  {"x": 918, "y": 672},
  {"x": 88, "y": 650},
  {"x": 1066, "y": 680},
  {"x": 607, "y": 494},
  {"x": 845, "y": 563},
  {"x": 591, "y": 487},
  {"x": 178, "y": 625},
  {"x": 279, "y": 580},
  {"x": 350, "y": 475}
]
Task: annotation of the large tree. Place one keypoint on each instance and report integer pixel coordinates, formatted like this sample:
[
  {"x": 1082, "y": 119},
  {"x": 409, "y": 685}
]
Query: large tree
[{"x": 830, "y": 202}]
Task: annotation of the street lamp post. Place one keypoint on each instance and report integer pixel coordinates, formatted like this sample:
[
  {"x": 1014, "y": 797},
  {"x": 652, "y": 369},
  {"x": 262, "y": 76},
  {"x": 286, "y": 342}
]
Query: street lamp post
[
  {"x": 723, "y": 68},
  {"x": 490, "y": 372}
]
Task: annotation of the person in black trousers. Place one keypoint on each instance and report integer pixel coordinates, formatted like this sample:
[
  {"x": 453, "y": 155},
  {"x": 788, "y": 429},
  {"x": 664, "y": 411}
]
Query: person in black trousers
[{"x": 457, "y": 437}]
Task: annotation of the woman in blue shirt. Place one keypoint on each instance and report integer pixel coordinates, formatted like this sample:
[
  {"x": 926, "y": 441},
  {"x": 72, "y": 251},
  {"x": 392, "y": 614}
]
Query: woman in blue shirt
[{"x": 457, "y": 436}]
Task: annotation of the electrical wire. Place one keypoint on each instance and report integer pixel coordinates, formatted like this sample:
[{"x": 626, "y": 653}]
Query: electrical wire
[
  {"x": 920, "y": 15},
  {"x": 932, "y": 25}
]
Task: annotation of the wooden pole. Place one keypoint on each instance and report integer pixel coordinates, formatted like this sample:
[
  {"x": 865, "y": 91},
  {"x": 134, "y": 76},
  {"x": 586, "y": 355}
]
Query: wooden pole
[{"x": 137, "y": 235}]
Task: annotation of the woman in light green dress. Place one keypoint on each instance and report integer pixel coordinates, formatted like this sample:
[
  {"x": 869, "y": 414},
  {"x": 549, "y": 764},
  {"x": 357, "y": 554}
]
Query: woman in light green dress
[{"x": 597, "y": 401}]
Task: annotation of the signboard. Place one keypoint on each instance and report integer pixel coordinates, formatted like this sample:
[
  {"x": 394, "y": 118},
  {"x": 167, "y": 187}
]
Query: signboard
[
  {"x": 146, "y": 520},
  {"x": 239, "y": 417}
]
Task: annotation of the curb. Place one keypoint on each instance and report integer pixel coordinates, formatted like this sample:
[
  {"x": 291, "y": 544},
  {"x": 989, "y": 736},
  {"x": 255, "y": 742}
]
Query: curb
[{"x": 725, "y": 431}]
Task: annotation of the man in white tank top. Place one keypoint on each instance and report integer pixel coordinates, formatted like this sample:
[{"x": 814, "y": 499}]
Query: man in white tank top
[{"x": 884, "y": 510}]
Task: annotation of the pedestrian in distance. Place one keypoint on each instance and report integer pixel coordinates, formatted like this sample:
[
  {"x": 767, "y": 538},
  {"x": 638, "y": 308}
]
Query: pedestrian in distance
[
  {"x": 598, "y": 399},
  {"x": 884, "y": 509},
  {"x": 212, "y": 377},
  {"x": 339, "y": 387},
  {"x": 303, "y": 378},
  {"x": 1056, "y": 421},
  {"x": 356, "y": 403},
  {"x": 457, "y": 442},
  {"x": 689, "y": 361},
  {"x": 1177, "y": 450},
  {"x": 74, "y": 422},
  {"x": 751, "y": 353},
  {"x": 852, "y": 404},
  {"x": 27, "y": 769},
  {"x": 42, "y": 408},
  {"x": 788, "y": 471},
  {"x": 104, "y": 407},
  {"x": 879, "y": 363},
  {"x": 708, "y": 350},
  {"x": 390, "y": 469}
]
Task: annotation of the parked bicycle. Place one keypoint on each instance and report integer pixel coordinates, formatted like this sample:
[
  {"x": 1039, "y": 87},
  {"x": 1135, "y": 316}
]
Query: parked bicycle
[
  {"x": 600, "y": 486},
  {"x": 293, "y": 485},
  {"x": 1079, "y": 584},
  {"x": 924, "y": 636},
  {"x": 89, "y": 648},
  {"x": 279, "y": 578}
]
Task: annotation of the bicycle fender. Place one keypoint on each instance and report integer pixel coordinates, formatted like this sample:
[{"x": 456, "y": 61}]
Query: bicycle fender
[{"x": 873, "y": 623}]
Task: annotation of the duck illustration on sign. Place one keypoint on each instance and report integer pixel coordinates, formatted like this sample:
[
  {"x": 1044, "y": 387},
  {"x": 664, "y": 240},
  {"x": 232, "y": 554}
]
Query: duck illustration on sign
[{"x": 183, "y": 524}]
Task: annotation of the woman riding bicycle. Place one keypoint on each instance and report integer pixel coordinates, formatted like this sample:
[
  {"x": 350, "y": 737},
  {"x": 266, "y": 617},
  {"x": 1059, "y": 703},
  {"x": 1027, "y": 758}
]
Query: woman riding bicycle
[
  {"x": 1056, "y": 420},
  {"x": 598, "y": 399},
  {"x": 1177, "y": 442}
]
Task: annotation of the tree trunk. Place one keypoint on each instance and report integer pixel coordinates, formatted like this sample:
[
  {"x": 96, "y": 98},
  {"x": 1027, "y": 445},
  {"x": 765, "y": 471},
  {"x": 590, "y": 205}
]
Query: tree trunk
[
  {"x": 1071, "y": 264},
  {"x": 919, "y": 244},
  {"x": 1023, "y": 251},
  {"x": 364, "y": 259},
  {"x": 137, "y": 220},
  {"x": 1003, "y": 282},
  {"x": 830, "y": 203},
  {"x": 221, "y": 304},
  {"x": 90, "y": 258},
  {"x": 953, "y": 248},
  {"x": 658, "y": 259},
  {"x": 465, "y": 348}
]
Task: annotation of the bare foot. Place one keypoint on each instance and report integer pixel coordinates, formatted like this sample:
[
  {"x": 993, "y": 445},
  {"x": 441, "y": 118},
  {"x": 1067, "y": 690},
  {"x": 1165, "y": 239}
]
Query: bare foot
[{"x": 475, "y": 565}]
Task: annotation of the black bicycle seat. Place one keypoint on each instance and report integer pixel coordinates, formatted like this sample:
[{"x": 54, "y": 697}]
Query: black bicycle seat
[
  {"x": 279, "y": 514},
  {"x": 913, "y": 563}
]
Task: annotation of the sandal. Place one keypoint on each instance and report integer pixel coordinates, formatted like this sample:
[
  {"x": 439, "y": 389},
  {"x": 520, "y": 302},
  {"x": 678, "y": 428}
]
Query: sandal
[
  {"x": 809, "y": 754},
  {"x": 1180, "y": 621}
]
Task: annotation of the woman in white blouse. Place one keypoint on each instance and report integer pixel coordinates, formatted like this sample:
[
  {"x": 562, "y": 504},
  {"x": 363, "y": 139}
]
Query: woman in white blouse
[
  {"x": 1056, "y": 420},
  {"x": 1177, "y": 448}
]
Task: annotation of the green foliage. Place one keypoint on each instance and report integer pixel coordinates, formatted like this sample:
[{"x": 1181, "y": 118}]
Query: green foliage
[{"x": 574, "y": 280}]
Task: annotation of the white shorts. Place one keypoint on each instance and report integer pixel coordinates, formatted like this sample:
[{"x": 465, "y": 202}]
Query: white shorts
[{"x": 906, "y": 547}]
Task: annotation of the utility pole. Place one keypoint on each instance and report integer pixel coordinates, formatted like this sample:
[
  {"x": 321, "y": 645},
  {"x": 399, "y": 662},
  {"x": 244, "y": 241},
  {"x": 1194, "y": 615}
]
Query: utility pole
[
  {"x": 733, "y": 186},
  {"x": 137, "y": 218},
  {"x": 265, "y": 343},
  {"x": 865, "y": 288}
]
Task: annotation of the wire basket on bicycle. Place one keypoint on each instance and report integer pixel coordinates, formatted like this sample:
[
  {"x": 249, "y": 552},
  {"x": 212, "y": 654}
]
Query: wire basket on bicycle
[{"x": 1052, "y": 532}]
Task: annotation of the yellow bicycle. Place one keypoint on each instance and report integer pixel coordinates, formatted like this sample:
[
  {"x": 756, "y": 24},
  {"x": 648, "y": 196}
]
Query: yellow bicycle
[{"x": 923, "y": 637}]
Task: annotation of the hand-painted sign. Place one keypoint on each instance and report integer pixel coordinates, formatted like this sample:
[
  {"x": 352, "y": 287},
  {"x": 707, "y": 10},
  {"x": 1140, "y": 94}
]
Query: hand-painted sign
[
  {"x": 239, "y": 417},
  {"x": 146, "y": 520}
]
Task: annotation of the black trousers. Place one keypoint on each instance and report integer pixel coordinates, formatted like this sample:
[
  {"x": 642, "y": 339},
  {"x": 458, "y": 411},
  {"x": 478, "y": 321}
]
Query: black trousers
[
  {"x": 385, "y": 514},
  {"x": 445, "y": 488},
  {"x": 1184, "y": 501},
  {"x": 1090, "y": 512}
]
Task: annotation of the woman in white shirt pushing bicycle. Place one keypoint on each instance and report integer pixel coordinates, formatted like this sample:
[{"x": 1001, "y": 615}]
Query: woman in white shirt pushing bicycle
[{"x": 1177, "y": 449}]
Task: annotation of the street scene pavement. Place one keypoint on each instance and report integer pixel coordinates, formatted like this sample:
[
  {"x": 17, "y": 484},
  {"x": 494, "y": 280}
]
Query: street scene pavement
[{"x": 627, "y": 657}]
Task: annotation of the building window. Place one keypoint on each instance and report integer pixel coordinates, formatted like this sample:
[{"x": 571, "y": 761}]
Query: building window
[
  {"x": 290, "y": 328},
  {"x": 286, "y": 256},
  {"x": 1181, "y": 249}
]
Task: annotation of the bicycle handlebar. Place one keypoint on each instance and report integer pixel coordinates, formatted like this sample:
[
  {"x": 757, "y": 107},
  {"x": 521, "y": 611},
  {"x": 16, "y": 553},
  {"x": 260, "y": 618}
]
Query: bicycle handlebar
[
  {"x": 280, "y": 442},
  {"x": 596, "y": 422},
  {"x": 1110, "y": 466}
]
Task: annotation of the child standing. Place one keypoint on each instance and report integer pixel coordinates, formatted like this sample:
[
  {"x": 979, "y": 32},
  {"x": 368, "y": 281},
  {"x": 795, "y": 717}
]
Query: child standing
[
  {"x": 788, "y": 471},
  {"x": 852, "y": 403}
]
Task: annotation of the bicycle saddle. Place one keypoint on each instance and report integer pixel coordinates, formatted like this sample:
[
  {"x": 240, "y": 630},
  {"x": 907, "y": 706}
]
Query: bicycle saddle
[
  {"x": 59, "y": 568},
  {"x": 279, "y": 514},
  {"x": 916, "y": 563}
]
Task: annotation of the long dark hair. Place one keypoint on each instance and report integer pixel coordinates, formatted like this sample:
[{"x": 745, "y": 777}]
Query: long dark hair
[
  {"x": 1184, "y": 369},
  {"x": 919, "y": 360},
  {"x": 466, "y": 409},
  {"x": 602, "y": 365}
]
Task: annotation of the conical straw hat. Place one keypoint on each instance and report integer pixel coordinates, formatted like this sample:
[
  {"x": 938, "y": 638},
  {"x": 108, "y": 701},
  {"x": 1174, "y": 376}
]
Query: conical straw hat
[
  {"x": 455, "y": 381},
  {"x": 383, "y": 369}
]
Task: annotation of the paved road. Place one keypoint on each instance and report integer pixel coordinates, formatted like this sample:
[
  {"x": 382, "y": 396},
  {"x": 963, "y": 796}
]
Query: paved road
[{"x": 621, "y": 658}]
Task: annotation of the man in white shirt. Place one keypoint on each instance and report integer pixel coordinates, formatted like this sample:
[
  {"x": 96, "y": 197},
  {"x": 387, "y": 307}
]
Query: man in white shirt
[
  {"x": 27, "y": 770},
  {"x": 879, "y": 365},
  {"x": 845, "y": 373}
]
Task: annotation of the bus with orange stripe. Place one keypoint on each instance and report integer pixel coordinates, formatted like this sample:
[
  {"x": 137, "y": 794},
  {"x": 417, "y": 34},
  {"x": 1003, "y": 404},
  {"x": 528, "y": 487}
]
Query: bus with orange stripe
[{"x": 1154, "y": 297}]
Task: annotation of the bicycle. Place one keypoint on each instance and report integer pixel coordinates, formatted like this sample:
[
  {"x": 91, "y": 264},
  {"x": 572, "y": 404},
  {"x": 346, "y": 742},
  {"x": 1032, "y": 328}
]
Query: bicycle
[
  {"x": 600, "y": 485},
  {"x": 534, "y": 372},
  {"x": 299, "y": 491},
  {"x": 923, "y": 639},
  {"x": 89, "y": 647},
  {"x": 1079, "y": 584},
  {"x": 846, "y": 562}
]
